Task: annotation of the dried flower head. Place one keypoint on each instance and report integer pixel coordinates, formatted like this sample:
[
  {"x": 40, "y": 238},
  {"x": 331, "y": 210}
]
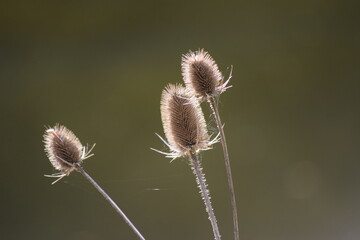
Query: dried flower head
[
  {"x": 183, "y": 122},
  {"x": 201, "y": 74},
  {"x": 64, "y": 150}
]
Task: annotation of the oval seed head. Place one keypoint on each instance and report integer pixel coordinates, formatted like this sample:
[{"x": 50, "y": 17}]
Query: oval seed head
[
  {"x": 63, "y": 148},
  {"x": 183, "y": 121},
  {"x": 201, "y": 74}
]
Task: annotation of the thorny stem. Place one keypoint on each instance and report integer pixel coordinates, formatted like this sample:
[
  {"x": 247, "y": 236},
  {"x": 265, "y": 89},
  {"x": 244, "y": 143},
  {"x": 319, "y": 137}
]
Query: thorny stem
[
  {"x": 108, "y": 198},
  {"x": 215, "y": 110},
  {"x": 200, "y": 179}
]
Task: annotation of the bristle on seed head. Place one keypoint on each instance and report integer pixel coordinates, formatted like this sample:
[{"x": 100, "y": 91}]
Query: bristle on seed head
[
  {"x": 183, "y": 122},
  {"x": 201, "y": 74},
  {"x": 64, "y": 149}
]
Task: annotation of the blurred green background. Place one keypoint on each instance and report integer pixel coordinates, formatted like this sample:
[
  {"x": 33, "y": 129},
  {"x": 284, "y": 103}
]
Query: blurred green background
[{"x": 98, "y": 67}]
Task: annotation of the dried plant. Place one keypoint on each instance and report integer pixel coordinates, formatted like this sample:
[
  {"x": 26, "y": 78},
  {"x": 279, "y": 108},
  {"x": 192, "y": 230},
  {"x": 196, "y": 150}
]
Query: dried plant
[
  {"x": 185, "y": 129},
  {"x": 66, "y": 153},
  {"x": 203, "y": 78}
]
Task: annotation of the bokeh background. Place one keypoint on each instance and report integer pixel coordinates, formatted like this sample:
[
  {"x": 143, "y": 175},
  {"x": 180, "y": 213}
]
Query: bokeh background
[{"x": 98, "y": 67}]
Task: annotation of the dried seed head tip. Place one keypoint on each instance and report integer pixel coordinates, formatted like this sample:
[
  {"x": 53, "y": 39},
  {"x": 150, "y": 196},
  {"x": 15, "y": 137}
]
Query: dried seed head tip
[
  {"x": 183, "y": 122},
  {"x": 64, "y": 149},
  {"x": 201, "y": 74}
]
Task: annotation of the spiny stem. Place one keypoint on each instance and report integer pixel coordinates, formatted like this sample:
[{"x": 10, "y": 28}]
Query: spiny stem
[
  {"x": 215, "y": 110},
  {"x": 108, "y": 198},
  {"x": 200, "y": 179}
]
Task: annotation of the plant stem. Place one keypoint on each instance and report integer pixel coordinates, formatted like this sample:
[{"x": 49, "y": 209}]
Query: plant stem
[
  {"x": 112, "y": 203},
  {"x": 215, "y": 110},
  {"x": 200, "y": 179}
]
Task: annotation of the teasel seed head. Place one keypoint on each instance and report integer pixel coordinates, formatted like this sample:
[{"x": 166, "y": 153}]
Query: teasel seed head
[
  {"x": 201, "y": 74},
  {"x": 183, "y": 122},
  {"x": 64, "y": 150}
]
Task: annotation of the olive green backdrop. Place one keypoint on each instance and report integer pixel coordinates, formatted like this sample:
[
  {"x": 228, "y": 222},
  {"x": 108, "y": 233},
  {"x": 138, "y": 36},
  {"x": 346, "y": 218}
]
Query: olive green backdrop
[{"x": 98, "y": 67}]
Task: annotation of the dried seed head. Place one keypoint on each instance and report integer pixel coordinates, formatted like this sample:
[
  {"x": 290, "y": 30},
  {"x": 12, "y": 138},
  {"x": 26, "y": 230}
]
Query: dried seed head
[
  {"x": 201, "y": 74},
  {"x": 183, "y": 121},
  {"x": 64, "y": 150}
]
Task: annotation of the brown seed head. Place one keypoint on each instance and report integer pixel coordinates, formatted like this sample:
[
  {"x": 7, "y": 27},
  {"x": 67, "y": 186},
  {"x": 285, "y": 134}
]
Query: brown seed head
[
  {"x": 183, "y": 121},
  {"x": 63, "y": 148},
  {"x": 201, "y": 74}
]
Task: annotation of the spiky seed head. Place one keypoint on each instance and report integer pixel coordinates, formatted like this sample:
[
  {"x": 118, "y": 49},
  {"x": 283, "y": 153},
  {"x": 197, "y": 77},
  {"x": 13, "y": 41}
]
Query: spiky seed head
[
  {"x": 201, "y": 74},
  {"x": 63, "y": 148},
  {"x": 183, "y": 120}
]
